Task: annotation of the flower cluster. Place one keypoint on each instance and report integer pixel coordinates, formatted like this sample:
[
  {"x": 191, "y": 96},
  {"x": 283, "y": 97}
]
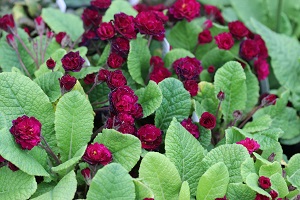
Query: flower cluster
[{"x": 159, "y": 72}]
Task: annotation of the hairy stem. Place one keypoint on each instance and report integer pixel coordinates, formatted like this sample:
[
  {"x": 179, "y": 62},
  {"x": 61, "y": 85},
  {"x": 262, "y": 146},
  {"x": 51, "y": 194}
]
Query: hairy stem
[
  {"x": 249, "y": 116},
  {"x": 49, "y": 151}
]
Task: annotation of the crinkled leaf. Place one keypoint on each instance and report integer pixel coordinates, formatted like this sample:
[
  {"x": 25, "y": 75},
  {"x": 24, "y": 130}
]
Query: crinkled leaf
[
  {"x": 99, "y": 94},
  {"x": 105, "y": 53},
  {"x": 184, "y": 191},
  {"x": 63, "y": 22},
  {"x": 269, "y": 170},
  {"x": 213, "y": 183},
  {"x": 176, "y": 103},
  {"x": 65, "y": 189},
  {"x": 150, "y": 98},
  {"x": 247, "y": 168},
  {"x": 118, "y": 6},
  {"x": 112, "y": 182},
  {"x": 50, "y": 84},
  {"x": 125, "y": 148},
  {"x": 278, "y": 183},
  {"x": 295, "y": 179},
  {"x": 293, "y": 164},
  {"x": 175, "y": 54},
  {"x": 142, "y": 191},
  {"x": 267, "y": 138},
  {"x": 252, "y": 182},
  {"x": 259, "y": 124},
  {"x": 183, "y": 149},
  {"x": 138, "y": 60},
  {"x": 275, "y": 148},
  {"x": 252, "y": 90},
  {"x": 227, "y": 153},
  {"x": 16, "y": 185},
  {"x": 205, "y": 137},
  {"x": 85, "y": 71},
  {"x": 240, "y": 191},
  {"x": 216, "y": 57},
  {"x": 234, "y": 135},
  {"x": 73, "y": 123},
  {"x": 43, "y": 188},
  {"x": 231, "y": 79},
  {"x": 161, "y": 175}
]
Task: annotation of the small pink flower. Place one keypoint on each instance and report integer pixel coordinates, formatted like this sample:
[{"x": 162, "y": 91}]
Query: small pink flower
[{"x": 250, "y": 144}]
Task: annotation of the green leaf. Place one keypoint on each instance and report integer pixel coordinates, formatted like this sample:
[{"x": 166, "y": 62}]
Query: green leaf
[
  {"x": 293, "y": 165},
  {"x": 161, "y": 175},
  {"x": 30, "y": 100},
  {"x": 247, "y": 168},
  {"x": 184, "y": 191},
  {"x": 84, "y": 71},
  {"x": 295, "y": 179},
  {"x": 150, "y": 98},
  {"x": 105, "y": 53},
  {"x": 183, "y": 149},
  {"x": 205, "y": 137},
  {"x": 278, "y": 183},
  {"x": 252, "y": 90},
  {"x": 176, "y": 103},
  {"x": 213, "y": 183},
  {"x": 65, "y": 189},
  {"x": 252, "y": 182},
  {"x": 234, "y": 135},
  {"x": 99, "y": 94},
  {"x": 267, "y": 138},
  {"x": 227, "y": 153},
  {"x": 43, "y": 188},
  {"x": 63, "y": 22},
  {"x": 16, "y": 185},
  {"x": 125, "y": 148},
  {"x": 240, "y": 191},
  {"x": 269, "y": 170},
  {"x": 275, "y": 148},
  {"x": 258, "y": 124},
  {"x": 185, "y": 34},
  {"x": 231, "y": 79},
  {"x": 175, "y": 54},
  {"x": 50, "y": 84},
  {"x": 216, "y": 57},
  {"x": 138, "y": 60},
  {"x": 142, "y": 191},
  {"x": 218, "y": 3},
  {"x": 111, "y": 182},
  {"x": 118, "y": 6},
  {"x": 73, "y": 123}
]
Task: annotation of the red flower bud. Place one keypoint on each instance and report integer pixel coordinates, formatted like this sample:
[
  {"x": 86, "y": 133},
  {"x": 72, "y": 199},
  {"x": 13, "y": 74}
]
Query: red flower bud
[
  {"x": 269, "y": 100},
  {"x": 214, "y": 13},
  {"x": 150, "y": 136},
  {"x": 224, "y": 41},
  {"x": 264, "y": 182},
  {"x": 191, "y": 127},
  {"x": 91, "y": 17},
  {"x": 204, "y": 37},
  {"x": 248, "y": 49},
  {"x": 50, "y": 34},
  {"x": 89, "y": 79},
  {"x": 137, "y": 112},
  {"x": 156, "y": 61},
  {"x": 187, "y": 68},
  {"x": 11, "y": 40},
  {"x": 263, "y": 51},
  {"x": 191, "y": 86},
  {"x": 120, "y": 45},
  {"x": 116, "y": 79},
  {"x": 106, "y": 31},
  {"x": 39, "y": 24},
  {"x": 72, "y": 61},
  {"x": 159, "y": 73},
  {"x": 273, "y": 194},
  {"x": 208, "y": 120},
  {"x": 67, "y": 82},
  {"x": 261, "y": 67},
  {"x": 115, "y": 61},
  {"x": 7, "y": 22},
  {"x": 50, "y": 63},
  {"x": 103, "y": 75},
  {"x": 211, "y": 69},
  {"x": 101, "y": 4},
  {"x": 185, "y": 9},
  {"x": 86, "y": 173},
  {"x": 60, "y": 36},
  {"x": 261, "y": 197},
  {"x": 127, "y": 128},
  {"x": 238, "y": 29},
  {"x": 26, "y": 131},
  {"x": 207, "y": 24},
  {"x": 96, "y": 154},
  {"x": 221, "y": 96},
  {"x": 250, "y": 144},
  {"x": 124, "y": 25}
]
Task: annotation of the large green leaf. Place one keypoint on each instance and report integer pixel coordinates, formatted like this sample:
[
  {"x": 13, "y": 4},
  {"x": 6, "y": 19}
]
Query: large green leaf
[
  {"x": 16, "y": 185},
  {"x": 184, "y": 191},
  {"x": 278, "y": 184},
  {"x": 292, "y": 170},
  {"x": 142, "y": 191},
  {"x": 240, "y": 191},
  {"x": 185, "y": 34},
  {"x": 247, "y": 168},
  {"x": 161, "y": 175},
  {"x": 183, "y": 149},
  {"x": 252, "y": 182},
  {"x": 112, "y": 182},
  {"x": 216, "y": 57},
  {"x": 118, "y": 6},
  {"x": 21, "y": 96},
  {"x": 65, "y": 189},
  {"x": 213, "y": 183},
  {"x": 175, "y": 54},
  {"x": 269, "y": 170},
  {"x": 125, "y": 148},
  {"x": 150, "y": 98},
  {"x": 50, "y": 84},
  {"x": 73, "y": 123},
  {"x": 231, "y": 79},
  {"x": 138, "y": 60},
  {"x": 259, "y": 124},
  {"x": 63, "y": 22},
  {"x": 176, "y": 103},
  {"x": 252, "y": 90},
  {"x": 227, "y": 153}
]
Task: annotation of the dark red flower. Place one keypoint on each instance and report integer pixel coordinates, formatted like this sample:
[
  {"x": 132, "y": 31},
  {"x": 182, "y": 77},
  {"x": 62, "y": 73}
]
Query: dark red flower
[
  {"x": 115, "y": 60},
  {"x": 106, "y": 30},
  {"x": 72, "y": 61},
  {"x": 7, "y": 22},
  {"x": 101, "y": 4},
  {"x": 89, "y": 79},
  {"x": 12, "y": 167},
  {"x": 60, "y": 36},
  {"x": 125, "y": 118},
  {"x": 124, "y": 25},
  {"x": 1, "y": 159},
  {"x": 264, "y": 182},
  {"x": 148, "y": 199},
  {"x": 221, "y": 96},
  {"x": 185, "y": 9},
  {"x": 211, "y": 69},
  {"x": 191, "y": 86},
  {"x": 159, "y": 73},
  {"x": 250, "y": 144},
  {"x": 249, "y": 49},
  {"x": 96, "y": 154},
  {"x": 269, "y": 100},
  {"x": 50, "y": 63},
  {"x": 263, "y": 51},
  {"x": 67, "y": 82},
  {"x": 127, "y": 128},
  {"x": 187, "y": 68},
  {"x": 191, "y": 127},
  {"x": 116, "y": 79},
  {"x": 224, "y": 41},
  {"x": 149, "y": 23},
  {"x": 89, "y": 35},
  {"x": 207, "y": 24},
  {"x": 208, "y": 120},
  {"x": 261, "y": 197},
  {"x": 273, "y": 194},
  {"x": 123, "y": 99},
  {"x": 156, "y": 61},
  {"x": 238, "y": 29},
  {"x": 103, "y": 75},
  {"x": 137, "y": 112},
  {"x": 91, "y": 16},
  {"x": 214, "y": 13},
  {"x": 150, "y": 136},
  {"x": 86, "y": 173},
  {"x": 204, "y": 37},
  {"x": 120, "y": 45},
  {"x": 223, "y": 198},
  {"x": 26, "y": 131},
  {"x": 261, "y": 67}
]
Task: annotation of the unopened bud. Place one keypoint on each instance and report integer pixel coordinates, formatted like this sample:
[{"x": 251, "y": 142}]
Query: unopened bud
[
  {"x": 50, "y": 63},
  {"x": 271, "y": 157},
  {"x": 221, "y": 96},
  {"x": 39, "y": 25},
  {"x": 269, "y": 100},
  {"x": 237, "y": 114},
  {"x": 11, "y": 40}
]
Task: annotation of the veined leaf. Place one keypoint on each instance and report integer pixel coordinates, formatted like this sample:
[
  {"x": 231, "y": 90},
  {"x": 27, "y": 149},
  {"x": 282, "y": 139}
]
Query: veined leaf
[
  {"x": 252, "y": 182},
  {"x": 240, "y": 191},
  {"x": 184, "y": 191},
  {"x": 142, "y": 191},
  {"x": 118, "y": 6},
  {"x": 175, "y": 54}
]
